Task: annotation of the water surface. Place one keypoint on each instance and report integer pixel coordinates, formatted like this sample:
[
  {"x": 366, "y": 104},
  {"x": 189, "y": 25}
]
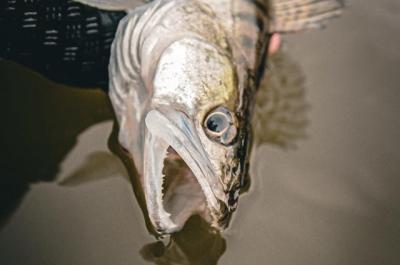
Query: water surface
[{"x": 67, "y": 199}]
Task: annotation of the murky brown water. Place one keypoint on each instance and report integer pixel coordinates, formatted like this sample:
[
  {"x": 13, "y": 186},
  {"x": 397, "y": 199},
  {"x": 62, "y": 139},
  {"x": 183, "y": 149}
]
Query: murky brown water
[{"x": 67, "y": 199}]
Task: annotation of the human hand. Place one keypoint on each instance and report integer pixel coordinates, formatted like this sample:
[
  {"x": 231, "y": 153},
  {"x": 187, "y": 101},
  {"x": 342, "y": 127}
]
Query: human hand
[{"x": 274, "y": 43}]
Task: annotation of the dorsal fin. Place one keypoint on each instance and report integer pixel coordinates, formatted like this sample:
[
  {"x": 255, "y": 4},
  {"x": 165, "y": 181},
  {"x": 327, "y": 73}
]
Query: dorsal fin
[
  {"x": 114, "y": 5},
  {"x": 298, "y": 15}
]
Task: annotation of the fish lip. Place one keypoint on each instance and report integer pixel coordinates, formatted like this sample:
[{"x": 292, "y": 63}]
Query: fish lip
[{"x": 170, "y": 128}]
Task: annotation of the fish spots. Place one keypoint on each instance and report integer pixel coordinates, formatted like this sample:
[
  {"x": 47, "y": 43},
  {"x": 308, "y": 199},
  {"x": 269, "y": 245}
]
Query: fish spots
[{"x": 251, "y": 30}]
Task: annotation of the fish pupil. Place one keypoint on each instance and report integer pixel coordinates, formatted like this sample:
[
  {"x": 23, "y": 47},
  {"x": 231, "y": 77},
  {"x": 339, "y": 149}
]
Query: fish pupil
[{"x": 217, "y": 123}]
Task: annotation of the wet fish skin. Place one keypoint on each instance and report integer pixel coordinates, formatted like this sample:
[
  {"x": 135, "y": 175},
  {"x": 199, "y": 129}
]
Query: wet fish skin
[
  {"x": 199, "y": 64},
  {"x": 176, "y": 63}
]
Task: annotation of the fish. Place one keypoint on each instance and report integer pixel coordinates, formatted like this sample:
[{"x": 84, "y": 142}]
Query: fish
[
  {"x": 183, "y": 77},
  {"x": 183, "y": 81}
]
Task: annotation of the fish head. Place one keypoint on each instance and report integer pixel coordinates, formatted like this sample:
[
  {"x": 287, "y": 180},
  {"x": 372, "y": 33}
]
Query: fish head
[{"x": 196, "y": 140}]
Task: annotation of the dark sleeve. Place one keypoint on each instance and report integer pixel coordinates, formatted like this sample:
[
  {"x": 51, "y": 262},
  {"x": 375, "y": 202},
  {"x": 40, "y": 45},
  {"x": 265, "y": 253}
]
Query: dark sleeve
[{"x": 63, "y": 40}]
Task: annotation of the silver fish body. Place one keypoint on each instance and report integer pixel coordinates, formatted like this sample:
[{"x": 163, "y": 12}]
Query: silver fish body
[
  {"x": 187, "y": 68},
  {"x": 183, "y": 79}
]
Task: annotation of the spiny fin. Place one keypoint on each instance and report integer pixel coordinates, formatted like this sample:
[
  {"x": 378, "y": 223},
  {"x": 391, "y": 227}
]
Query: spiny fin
[
  {"x": 113, "y": 5},
  {"x": 280, "y": 114},
  {"x": 298, "y": 15}
]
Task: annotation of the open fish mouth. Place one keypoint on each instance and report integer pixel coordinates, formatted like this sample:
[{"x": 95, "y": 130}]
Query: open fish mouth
[
  {"x": 179, "y": 180},
  {"x": 182, "y": 193}
]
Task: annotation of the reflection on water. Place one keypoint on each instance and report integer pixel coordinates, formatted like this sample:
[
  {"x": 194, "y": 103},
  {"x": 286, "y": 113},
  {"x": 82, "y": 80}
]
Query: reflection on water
[
  {"x": 97, "y": 166},
  {"x": 280, "y": 116},
  {"x": 196, "y": 244},
  {"x": 43, "y": 121}
]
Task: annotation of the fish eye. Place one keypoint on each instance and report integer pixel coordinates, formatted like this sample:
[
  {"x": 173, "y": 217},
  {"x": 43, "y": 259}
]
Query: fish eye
[
  {"x": 220, "y": 126},
  {"x": 217, "y": 122}
]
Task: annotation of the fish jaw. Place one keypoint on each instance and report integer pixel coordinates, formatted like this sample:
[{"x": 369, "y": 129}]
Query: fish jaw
[{"x": 166, "y": 130}]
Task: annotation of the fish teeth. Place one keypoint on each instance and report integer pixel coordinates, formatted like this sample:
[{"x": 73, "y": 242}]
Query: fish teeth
[{"x": 163, "y": 175}]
